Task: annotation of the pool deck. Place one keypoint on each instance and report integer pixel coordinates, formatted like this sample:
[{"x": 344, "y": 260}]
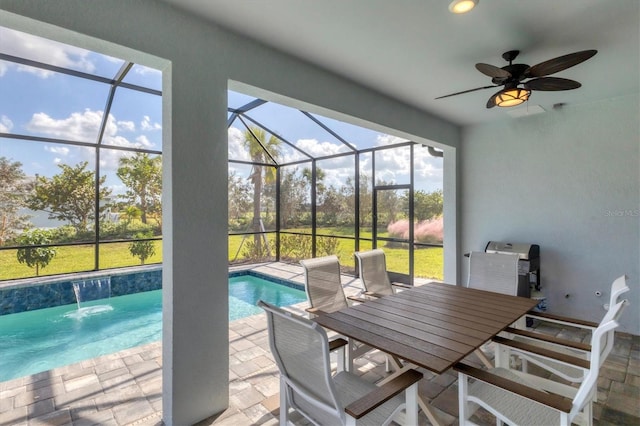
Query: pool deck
[{"x": 125, "y": 388}]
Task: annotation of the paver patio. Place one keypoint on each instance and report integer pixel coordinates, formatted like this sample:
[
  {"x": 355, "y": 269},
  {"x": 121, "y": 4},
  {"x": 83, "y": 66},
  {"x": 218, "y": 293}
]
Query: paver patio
[{"x": 125, "y": 388}]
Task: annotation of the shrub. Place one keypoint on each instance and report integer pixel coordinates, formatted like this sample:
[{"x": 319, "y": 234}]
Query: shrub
[
  {"x": 326, "y": 246},
  {"x": 425, "y": 231},
  {"x": 143, "y": 249},
  {"x": 255, "y": 251},
  {"x": 295, "y": 246},
  {"x": 35, "y": 257}
]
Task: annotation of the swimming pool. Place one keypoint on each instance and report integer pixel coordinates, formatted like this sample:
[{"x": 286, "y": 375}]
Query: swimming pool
[{"x": 35, "y": 341}]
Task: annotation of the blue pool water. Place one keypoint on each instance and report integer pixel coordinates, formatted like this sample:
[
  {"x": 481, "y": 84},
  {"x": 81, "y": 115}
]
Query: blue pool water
[{"x": 43, "y": 339}]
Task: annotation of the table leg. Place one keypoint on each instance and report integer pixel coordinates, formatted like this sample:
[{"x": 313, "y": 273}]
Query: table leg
[
  {"x": 426, "y": 409},
  {"x": 399, "y": 369}
]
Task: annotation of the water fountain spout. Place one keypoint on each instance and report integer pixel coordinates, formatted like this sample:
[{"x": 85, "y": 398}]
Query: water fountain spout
[{"x": 92, "y": 295}]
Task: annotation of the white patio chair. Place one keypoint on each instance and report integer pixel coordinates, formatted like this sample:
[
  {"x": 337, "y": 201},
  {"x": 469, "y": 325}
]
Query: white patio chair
[
  {"x": 543, "y": 342},
  {"x": 372, "y": 267},
  {"x": 325, "y": 293},
  {"x": 618, "y": 288},
  {"x": 301, "y": 350},
  {"x": 519, "y": 398},
  {"x": 494, "y": 272}
]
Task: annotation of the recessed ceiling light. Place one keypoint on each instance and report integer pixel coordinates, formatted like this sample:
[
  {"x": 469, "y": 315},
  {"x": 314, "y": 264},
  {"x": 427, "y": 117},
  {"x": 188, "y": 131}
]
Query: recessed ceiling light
[{"x": 462, "y": 6}]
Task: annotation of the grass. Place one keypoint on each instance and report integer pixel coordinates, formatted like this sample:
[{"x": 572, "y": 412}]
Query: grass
[
  {"x": 428, "y": 262},
  {"x": 75, "y": 259}
]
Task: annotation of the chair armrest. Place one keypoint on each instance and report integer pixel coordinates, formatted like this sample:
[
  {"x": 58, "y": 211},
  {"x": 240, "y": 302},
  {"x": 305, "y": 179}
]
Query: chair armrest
[
  {"x": 315, "y": 311},
  {"x": 550, "y": 339},
  {"x": 361, "y": 407},
  {"x": 357, "y": 299},
  {"x": 372, "y": 294},
  {"x": 337, "y": 343},
  {"x": 573, "y": 322},
  {"x": 547, "y": 398},
  {"x": 525, "y": 347},
  {"x": 401, "y": 285}
]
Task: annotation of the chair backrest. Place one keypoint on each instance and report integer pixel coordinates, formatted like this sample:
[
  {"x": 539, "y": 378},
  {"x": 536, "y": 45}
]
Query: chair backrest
[
  {"x": 322, "y": 283},
  {"x": 601, "y": 344},
  {"x": 301, "y": 351},
  {"x": 493, "y": 272},
  {"x": 372, "y": 266},
  {"x": 618, "y": 287}
]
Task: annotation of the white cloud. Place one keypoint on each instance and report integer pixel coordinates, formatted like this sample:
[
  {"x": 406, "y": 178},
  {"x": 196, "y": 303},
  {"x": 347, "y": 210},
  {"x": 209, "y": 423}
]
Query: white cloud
[
  {"x": 142, "y": 70},
  {"x": 4, "y": 66},
  {"x": 128, "y": 126},
  {"x": 382, "y": 140},
  {"x": 236, "y": 148},
  {"x": 85, "y": 126},
  {"x": 57, "y": 149},
  {"x": 82, "y": 126},
  {"x": 320, "y": 149},
  {"x": 144, "y": 141},
  {"x": 147, "y": 125},
  {"x": 392, "y": 165},
  {"x": 5, "y": 124},
  {"x": 17, "y": 43}
]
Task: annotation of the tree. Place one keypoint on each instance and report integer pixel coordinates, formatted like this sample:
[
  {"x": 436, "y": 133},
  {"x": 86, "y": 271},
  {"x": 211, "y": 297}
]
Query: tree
[
  {"x": 130, "y": 214},
  {"x": 142, "y": 174},
  {"x": 13, "y": 190},
  {"x": 388, "y": 205},
  {"x": 365, "y": 193},
  {"x": 427, "y": 205},
  {"x": 142, "y": 249},
  {"x": 69, "y": 196},
  {"x": 294, "y": 197},
  {"x": 239, "y": 197},
  {"x": 38, "y": 257},
  {"x": 257, "y": 144}
]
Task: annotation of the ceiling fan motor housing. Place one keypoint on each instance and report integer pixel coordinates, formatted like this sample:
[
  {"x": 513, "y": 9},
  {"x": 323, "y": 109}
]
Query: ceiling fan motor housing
[{"x": 517, "y": 73}]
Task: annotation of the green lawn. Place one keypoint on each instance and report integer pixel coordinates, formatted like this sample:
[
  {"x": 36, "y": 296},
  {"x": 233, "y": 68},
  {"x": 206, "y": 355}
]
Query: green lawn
[
  {"x": 75, "y": 259},
  {"x": 428, "y": 262}
]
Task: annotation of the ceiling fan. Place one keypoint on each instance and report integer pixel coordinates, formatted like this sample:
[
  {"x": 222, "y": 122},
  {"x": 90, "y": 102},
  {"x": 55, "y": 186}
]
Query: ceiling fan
[{"x": 512, "y": 76}]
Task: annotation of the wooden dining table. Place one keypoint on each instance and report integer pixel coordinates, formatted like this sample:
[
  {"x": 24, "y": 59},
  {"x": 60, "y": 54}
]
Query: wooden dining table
[{"x": 433, "y": 326}]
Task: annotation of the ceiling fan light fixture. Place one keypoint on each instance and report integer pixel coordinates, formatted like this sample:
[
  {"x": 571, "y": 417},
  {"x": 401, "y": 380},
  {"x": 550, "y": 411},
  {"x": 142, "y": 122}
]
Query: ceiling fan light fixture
[
  {"x": 512, "y": 97},
  {"x": 462, "y": 6}
]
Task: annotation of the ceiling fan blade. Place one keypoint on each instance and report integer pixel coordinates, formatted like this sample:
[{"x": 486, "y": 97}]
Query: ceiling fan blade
[
  {"x": 493, "y": 71},
  {"x": 465, "y": 91},
  {"x": 551, "y": 84},
  {"x": 560, "y": 63}
]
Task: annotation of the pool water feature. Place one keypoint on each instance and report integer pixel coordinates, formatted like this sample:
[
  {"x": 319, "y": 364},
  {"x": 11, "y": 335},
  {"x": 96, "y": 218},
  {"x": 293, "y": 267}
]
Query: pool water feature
[{"x": 35, "y": 341}]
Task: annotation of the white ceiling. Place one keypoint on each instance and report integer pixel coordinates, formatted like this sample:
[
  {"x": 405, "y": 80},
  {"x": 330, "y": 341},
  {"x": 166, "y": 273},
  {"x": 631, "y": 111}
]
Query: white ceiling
[{"x": 416, "y": 50}]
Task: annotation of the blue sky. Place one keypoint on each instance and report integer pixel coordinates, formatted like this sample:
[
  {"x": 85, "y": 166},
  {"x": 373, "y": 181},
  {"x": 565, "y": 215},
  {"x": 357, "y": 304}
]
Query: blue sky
[
  {"x": 42, "y": 103},
  {"x": 47, "y": 104}
]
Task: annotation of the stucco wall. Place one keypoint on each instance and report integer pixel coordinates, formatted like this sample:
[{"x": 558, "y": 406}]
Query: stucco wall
[
  {"x": 569, "y": 181},
  {"x": 198, "y": 60}
]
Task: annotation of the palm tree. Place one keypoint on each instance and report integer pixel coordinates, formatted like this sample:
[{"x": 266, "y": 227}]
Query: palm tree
[{"x": 262, "y": 151}]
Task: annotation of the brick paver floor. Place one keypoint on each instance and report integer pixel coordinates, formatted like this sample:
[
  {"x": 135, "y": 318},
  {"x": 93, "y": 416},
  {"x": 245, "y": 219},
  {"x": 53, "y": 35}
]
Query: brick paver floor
[{"x": 125, "y": 388}]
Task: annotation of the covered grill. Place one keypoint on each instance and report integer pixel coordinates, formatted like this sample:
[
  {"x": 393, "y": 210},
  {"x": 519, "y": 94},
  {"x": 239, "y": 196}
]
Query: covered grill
[{"x": 528, "y": 264}]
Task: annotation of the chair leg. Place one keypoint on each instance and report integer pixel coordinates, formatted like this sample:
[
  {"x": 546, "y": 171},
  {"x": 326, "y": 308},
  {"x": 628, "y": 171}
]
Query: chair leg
[
  {"x": 463, "y": 409},
  {"x": 284, "y": 409},
  {"x": 411, "y": 404},
  {"x": 341, "y": 353},
  {"x": 349, "y": 355},
  {"x": 503, "y": 355}
]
